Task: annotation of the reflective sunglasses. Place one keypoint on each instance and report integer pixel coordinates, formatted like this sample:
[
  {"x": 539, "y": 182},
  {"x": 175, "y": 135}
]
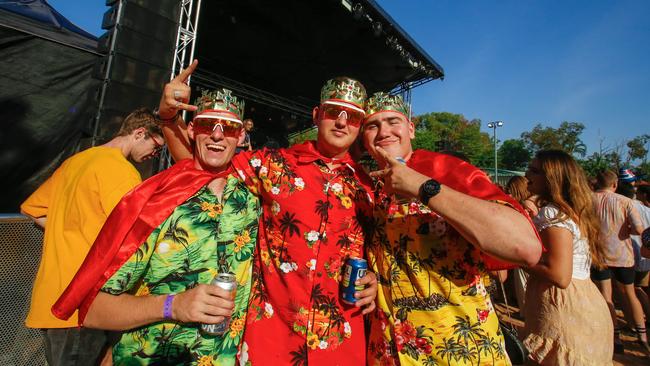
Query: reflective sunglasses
[
  {"x": 334, "y": 112},
  {"x": 208, "y": 126}
]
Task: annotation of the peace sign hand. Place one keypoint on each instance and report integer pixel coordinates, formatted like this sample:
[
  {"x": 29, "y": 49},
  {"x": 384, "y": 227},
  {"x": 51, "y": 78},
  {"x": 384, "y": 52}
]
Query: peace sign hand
[
  {"x": 176, "y": 94},
  {"x": 398, "y": 178}
]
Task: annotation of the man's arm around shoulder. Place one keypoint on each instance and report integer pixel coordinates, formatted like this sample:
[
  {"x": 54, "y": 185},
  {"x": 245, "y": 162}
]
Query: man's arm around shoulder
[{"x": 498, "y": 230}]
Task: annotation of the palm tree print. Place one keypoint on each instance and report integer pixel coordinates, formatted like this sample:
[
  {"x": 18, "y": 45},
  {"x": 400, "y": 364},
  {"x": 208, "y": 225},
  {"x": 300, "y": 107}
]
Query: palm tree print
[
  {"x": 445, "y": 274},
  {"x": 488, "y": 344},
  {"x": 427, "y": 278},
  {"x": 448, "y": 349},
  {"x": 329, "y": 306},
  {"x": 322, "y": 209},
  {"x": 192, "y": 261},
  {"x": 467, "y": 331},
  {"x": 176, "y": 234},
  {"x": 299, "y": 357},
  {"x": 317, "y": 298},
  {"x": 288, "y": 224}
]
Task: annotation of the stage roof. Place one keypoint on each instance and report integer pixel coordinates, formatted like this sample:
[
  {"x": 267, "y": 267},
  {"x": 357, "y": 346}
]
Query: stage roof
[
  {"x": 38, "y": 18},
  {"x": 289, "y": 48}
]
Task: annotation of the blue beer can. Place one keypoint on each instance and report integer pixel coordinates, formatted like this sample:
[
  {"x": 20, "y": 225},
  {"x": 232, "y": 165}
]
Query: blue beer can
[{"x": 354, "y": 269}]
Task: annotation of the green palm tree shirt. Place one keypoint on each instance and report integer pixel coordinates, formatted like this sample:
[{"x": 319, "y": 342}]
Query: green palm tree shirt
[{"x": 202, "y": 236}]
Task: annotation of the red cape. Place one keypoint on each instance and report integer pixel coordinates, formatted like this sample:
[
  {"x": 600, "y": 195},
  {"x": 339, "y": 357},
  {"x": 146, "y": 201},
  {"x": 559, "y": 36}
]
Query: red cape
[
  {"x": 127, "y": 227},
  {"x": 465, "y": 178}
]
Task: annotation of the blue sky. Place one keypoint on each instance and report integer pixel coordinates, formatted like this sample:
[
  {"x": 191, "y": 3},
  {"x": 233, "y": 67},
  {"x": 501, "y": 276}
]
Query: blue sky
[{"x": 520, "y": 61}]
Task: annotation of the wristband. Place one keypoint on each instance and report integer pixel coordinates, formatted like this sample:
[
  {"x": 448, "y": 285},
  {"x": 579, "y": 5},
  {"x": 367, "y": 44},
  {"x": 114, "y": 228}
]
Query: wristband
[
  {"x": 167, "y": 307},
  {"x": 165, "y": 121}
]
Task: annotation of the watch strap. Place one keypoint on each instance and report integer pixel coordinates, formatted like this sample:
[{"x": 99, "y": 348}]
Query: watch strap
[
  {"x": 428, "y": 189},
  {"x": 165, "y": 121}
]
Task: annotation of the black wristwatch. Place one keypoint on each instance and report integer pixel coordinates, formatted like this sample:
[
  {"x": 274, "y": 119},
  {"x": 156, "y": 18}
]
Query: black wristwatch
[{"x": 428, "y": 189}]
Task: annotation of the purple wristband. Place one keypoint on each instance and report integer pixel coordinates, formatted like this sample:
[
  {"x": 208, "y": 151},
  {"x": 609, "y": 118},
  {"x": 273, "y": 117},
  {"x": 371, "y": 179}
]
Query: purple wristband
[{"x": 167, "y": 308}]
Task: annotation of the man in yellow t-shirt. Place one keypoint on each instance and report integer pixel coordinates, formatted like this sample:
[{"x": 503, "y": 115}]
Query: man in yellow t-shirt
[{"x": 72, "y": 206}]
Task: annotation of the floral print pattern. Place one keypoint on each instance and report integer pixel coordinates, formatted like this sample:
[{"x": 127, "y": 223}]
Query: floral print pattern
[
  {"x": 433, "y": 307},
  {"x": 309, "y": 229},
  {"x": 199, "y": 239}
]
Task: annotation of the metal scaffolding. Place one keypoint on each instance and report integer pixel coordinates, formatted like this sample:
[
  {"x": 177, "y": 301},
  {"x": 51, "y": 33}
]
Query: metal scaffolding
[{"x": 188, "y": 22}]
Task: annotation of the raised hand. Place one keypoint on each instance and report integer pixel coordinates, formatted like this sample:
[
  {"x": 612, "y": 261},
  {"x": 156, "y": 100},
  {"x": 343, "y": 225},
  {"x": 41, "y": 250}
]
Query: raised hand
[
  {"x": 398, "y": 178},
  {"x": 203, "y": 304},
  {"x": 176, "y": 94}
]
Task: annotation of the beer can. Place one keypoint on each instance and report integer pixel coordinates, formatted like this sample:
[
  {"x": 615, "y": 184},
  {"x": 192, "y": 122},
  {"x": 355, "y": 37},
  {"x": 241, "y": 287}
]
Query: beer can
[
  {"x": 227, "y": 282},
  {"x": 354, "y": 269}
]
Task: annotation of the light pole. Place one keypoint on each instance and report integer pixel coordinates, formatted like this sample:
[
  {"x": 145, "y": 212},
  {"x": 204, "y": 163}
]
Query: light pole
[{"x": 494, "y": 125}]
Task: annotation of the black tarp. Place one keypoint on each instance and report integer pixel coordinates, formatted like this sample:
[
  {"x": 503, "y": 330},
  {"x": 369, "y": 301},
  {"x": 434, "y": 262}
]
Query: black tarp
[{"x": 45, "y": 86}]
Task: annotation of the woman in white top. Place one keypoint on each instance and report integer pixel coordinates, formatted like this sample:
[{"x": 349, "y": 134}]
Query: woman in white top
[{"x": 567, "y": 319}]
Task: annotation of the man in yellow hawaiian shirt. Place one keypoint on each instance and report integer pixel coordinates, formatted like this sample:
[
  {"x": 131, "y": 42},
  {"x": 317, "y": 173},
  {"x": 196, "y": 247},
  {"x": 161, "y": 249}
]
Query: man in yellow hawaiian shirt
[{"x": 435, "y": 219}]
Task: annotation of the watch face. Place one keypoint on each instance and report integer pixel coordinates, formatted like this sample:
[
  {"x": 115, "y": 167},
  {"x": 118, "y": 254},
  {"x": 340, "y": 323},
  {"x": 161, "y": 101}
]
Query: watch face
[{"x": 429, "y": 189}]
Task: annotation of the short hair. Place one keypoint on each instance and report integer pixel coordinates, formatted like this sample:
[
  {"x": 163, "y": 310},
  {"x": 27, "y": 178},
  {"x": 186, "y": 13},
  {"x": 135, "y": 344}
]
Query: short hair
[
  {"x": 140, "y": 118},
  {"x": 605, "y": 179},
  {"x": 517, "y": 187}
]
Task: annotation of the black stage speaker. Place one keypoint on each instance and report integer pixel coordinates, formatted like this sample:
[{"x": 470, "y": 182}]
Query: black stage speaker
[
  {"x": 22, "y": 243},
  {"x": 139, "y": 51}
]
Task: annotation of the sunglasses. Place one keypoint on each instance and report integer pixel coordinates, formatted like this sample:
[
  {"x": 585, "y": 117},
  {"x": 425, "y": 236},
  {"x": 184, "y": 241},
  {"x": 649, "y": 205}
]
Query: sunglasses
[
  {"x": 208, "y": 126},
  {"x": 157, "y": 148},
  {"x": 334, "y": 112}
]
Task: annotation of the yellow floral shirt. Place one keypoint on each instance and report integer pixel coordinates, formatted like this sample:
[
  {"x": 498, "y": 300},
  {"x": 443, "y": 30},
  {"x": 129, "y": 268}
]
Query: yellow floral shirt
[{"x": 433, "y": 307}]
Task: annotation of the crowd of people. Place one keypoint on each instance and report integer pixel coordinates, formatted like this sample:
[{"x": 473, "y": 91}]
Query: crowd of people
[{"x": 134, "y": 270}]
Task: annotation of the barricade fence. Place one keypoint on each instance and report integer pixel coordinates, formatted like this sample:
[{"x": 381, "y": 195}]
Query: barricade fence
[{"x": 22, "y": 243}]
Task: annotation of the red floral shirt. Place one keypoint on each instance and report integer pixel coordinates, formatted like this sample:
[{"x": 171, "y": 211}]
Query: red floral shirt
[{"x": 310, "y": 225}]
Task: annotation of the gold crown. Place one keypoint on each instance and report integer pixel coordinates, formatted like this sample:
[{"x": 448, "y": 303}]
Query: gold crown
[
  {"x": 381, "y": 101},
  {"x": 345, "y": 89},
  {"x": 219, "y": 100}
]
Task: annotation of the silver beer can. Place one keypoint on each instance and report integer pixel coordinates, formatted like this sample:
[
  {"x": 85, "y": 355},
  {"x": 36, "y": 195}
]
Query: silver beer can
[{"x": 227, "y": 282}]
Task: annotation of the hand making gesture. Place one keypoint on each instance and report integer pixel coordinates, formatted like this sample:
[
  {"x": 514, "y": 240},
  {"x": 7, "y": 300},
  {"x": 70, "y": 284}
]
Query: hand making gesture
[
  {"x": 398, "y": 178},
  {"x": 176, "y": 95}
]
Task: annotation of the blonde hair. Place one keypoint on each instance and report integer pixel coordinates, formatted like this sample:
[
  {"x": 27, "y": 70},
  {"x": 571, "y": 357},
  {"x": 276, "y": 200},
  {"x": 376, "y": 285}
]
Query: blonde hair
[
  {"x": 141, "y": 117},
  {"x": 517, "y": 187},
  {"x": 605, "y": 179},
  {"x": 567, "y": 187}
]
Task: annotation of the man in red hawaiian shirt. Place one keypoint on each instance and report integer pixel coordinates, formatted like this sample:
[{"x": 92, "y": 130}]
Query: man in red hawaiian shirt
[
  {"x": 427, "y": 248},
  {"x": 312, "y": 194}
]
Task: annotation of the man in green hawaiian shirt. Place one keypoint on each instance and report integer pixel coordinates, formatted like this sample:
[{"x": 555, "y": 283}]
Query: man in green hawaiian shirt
[{"x": 161, "y": 294}]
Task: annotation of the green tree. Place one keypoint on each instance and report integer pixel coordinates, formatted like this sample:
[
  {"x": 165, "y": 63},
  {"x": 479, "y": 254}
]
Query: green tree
[
  {"x": 637, "y": 148},
  {"x": 566, "y": 137},
  {"x": 438, "y": 131},
  {"x": 302, "y": 136},
  {"x": 643, "y": 170},
  {"x": 514, "y": 155},
  {"x": 595, "y": 163}
]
